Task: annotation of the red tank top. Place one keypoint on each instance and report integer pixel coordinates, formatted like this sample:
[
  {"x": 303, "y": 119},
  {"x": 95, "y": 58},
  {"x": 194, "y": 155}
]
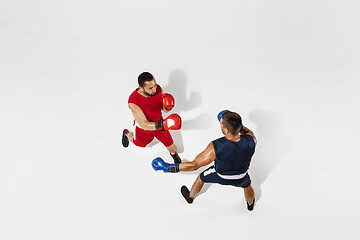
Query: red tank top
[{"x": 151, "y": 106}]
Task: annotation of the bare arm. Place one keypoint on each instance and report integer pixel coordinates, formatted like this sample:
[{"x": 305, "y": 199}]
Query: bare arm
[
  {"x": 140, "y": 118},
  {"x": 204, "y": 158},
  {"x": 246, "y": 131}
]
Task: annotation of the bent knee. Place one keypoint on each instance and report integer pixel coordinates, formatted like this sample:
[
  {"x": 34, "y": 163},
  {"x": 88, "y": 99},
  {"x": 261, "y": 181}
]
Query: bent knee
[{"x": 199, "y": 179}]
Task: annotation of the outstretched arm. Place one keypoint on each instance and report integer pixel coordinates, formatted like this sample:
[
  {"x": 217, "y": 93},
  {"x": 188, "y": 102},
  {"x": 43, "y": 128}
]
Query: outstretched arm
[{"x": 204, "y": 158}]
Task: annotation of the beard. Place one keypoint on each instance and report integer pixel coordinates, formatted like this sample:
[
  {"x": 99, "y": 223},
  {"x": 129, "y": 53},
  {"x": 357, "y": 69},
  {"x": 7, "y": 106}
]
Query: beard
[{"x": 148, "y": 94}]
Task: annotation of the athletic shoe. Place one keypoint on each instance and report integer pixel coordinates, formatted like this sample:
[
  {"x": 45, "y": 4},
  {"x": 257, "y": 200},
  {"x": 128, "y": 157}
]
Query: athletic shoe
[
  {"x": 125, "y": 140},
  {"x": 250, "y": 207},
  {"x": 185, "y": 192}
]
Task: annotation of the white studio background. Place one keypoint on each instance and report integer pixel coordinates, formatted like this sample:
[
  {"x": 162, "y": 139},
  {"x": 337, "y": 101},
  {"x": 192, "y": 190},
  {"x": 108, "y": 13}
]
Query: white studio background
[{"x": 67, "y": 68}]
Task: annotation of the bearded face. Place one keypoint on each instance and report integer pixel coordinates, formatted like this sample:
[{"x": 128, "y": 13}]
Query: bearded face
[{"x": 149, "y": 88}]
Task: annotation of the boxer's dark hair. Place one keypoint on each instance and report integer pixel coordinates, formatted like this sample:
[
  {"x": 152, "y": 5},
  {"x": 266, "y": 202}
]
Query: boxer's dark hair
[
  {"x": 232, "y": 121},
  {"x": 144, "y": 77}
]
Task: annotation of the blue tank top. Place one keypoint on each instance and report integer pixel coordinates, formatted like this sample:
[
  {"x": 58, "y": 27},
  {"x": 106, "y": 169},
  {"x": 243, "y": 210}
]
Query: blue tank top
[{"x": 233, "y": 158}]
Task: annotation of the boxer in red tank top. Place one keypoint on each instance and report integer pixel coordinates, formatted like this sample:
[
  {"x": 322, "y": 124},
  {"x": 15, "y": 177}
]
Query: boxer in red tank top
[{"x": 145, "y": 104}]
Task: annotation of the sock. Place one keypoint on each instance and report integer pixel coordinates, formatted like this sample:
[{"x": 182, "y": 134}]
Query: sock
[{"x": 176, "y": 157}]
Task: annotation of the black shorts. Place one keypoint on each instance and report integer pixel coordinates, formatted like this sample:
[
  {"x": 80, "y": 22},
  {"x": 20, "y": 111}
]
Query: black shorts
[{"x": 210, "y": 176}]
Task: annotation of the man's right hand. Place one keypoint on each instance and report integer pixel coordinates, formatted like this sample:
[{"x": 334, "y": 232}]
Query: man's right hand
[
  {"x": 159, "y": 164},
  {"x": 172, "y": 122}
]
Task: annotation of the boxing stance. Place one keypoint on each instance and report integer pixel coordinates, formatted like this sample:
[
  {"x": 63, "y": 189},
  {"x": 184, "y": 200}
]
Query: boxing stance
[
  {"x": 146, "y": 103},
  {"x": 231, "y": 155}
]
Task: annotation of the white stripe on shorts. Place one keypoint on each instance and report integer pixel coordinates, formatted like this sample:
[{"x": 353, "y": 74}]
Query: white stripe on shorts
[
  {"x": 207, "y": 172},
  {"x": 232, "y": 177},
  {"x": 228, "y": 177},
  {"x": 135, "y": 125}
]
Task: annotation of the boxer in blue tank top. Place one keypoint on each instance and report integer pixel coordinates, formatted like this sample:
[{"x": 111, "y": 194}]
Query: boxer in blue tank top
[{"x": 231, "y": 155}]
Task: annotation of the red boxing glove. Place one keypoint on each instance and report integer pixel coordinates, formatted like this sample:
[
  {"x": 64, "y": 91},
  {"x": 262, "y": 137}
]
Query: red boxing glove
[
  {"x": 168, "y": 101},
  {"x": 172, "y": 122}
]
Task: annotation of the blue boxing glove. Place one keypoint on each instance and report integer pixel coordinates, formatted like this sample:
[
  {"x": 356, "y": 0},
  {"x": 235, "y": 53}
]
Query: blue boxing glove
[
  {"x": 159, "y": 164},
  {"x": 221, "y": 113}
]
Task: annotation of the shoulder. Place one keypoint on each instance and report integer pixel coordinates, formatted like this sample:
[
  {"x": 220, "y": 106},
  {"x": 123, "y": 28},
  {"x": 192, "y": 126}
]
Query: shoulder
[
  {"x": 217, "y": 144},
  {"x": 250, "y": 138},
  {"x": 135, "y": 93},
  {"x": 210, "y": 146},
  {"x": 247, "y": 132},
  {"x": 134, "y": 107},
  {"x": 210, "y": 151},
  {"x": 219, "y": 140},
  {"x": 133, "y": 97},
  {"x": 134, "y": 101}
]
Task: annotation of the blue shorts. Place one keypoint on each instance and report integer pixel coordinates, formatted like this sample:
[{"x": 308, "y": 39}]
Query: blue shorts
[{"x": 210, "y": 176}]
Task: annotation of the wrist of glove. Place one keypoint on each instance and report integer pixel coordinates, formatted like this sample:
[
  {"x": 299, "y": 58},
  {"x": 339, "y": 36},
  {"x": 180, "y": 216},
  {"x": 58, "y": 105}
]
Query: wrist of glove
[
  {"x": 166, "y": 110},
  {"x": 159, "y": 164},
  {"x": 174, "y": 168},
  {"x": 159, "y": 125}
]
